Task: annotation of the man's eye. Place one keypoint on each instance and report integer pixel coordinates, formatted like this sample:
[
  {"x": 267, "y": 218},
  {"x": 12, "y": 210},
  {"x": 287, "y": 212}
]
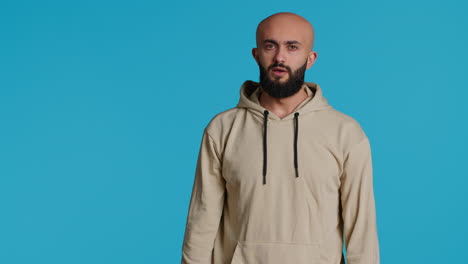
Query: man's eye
[
  {"x": 293, "y": 47},
  {"x": 269, "y": 46}
]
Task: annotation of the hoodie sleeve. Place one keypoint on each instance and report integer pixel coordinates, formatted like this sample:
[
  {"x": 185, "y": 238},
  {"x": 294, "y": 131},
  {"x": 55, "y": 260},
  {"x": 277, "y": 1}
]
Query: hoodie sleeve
[
  {"x": 206, "y": 206},
  {"x": 359, "y": 213}
]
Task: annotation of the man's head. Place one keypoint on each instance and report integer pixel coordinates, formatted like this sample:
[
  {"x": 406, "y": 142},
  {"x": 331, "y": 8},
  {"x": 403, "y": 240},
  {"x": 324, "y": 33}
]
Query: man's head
[{"x": 283, "y": 53}]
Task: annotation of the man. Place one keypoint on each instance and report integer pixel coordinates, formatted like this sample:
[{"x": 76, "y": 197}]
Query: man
[{"x": 282, "y": 176}]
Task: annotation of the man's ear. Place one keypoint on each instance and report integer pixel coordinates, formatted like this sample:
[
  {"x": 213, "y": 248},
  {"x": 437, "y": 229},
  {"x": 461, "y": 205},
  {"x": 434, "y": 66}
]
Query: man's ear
[
  {"x": 311, "y": 58},
  {"x": 255, "y": 54}
]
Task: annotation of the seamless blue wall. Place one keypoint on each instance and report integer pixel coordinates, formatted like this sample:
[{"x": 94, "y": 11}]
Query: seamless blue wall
[{"x": 103, "y": 104}]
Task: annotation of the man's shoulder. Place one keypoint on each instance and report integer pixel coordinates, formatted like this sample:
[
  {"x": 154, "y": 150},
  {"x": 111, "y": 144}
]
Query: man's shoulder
[
  {"x": 221, "y": 120},
  {"x": 346, "y": 125},
  {"x": 341, "y": 118}
]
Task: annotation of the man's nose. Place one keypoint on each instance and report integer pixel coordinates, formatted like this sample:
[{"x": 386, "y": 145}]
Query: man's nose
[{"x": 280, "y": 56}]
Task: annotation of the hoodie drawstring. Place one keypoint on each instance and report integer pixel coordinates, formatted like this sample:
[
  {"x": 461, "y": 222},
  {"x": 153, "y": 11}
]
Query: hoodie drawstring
[
  {"x": 296, "y": 129},
  {"x": 295, "y": 142},
  {"x": 265, "y": 119}
]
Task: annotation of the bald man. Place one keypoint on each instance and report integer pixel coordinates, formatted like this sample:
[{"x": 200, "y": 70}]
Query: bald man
[{"x": 282, "y": 177}]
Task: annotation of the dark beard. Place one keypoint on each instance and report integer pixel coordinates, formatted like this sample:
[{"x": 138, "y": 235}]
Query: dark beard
[{"x": 282, "y": 90}]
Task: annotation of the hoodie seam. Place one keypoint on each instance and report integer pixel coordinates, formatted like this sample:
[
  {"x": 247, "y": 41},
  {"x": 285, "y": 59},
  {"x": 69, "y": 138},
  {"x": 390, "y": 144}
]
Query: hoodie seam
[
  {"x": 346, "y": 156},
  {"x": 214, "y": 144},
  {"x": 361, "y": 131},
  {"x": 277, "y": 242}
]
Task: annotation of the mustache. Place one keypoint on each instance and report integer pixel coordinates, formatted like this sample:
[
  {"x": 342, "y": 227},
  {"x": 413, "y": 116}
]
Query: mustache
[{"x": 279, "y": 65}]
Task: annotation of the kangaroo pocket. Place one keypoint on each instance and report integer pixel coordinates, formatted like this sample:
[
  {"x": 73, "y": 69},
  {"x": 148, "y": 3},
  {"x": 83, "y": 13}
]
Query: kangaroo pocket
[{"x": 247, "y": 252}]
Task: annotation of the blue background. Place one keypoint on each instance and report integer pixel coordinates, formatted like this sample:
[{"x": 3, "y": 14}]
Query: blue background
[{"x": 103, "y": 105}]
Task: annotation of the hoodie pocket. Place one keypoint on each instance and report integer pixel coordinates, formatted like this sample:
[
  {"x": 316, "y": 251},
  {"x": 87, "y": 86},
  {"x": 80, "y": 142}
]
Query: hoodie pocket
[{"x": 247, "y": 252}]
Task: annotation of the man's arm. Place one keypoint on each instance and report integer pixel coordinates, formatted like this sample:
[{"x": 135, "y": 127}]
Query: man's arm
[
  {"x": 206, "y": 205},
  {"x": 357, "y": 199}
]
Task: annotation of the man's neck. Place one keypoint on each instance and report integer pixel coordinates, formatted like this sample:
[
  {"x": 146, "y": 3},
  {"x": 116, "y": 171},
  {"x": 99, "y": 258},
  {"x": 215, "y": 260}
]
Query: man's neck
[{"x": 282, "y": 107}]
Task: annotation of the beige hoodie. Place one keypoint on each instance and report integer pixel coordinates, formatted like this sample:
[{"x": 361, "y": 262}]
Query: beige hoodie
[{"x": 282, "y": 191}]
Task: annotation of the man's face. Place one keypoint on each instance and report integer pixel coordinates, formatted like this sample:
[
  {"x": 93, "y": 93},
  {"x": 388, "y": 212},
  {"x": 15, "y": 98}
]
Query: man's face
[{"x": 283, "y": 54}]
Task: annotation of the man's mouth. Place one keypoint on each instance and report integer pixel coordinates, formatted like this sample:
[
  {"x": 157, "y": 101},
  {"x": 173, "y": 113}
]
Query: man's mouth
[{"x": 279, "y": 71}]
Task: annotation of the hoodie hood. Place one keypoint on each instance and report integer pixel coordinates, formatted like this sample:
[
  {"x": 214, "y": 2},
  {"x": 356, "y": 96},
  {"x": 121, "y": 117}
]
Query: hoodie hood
[
  {"x": 318, "y": 102},
  {"x": 315, "y": 102}
]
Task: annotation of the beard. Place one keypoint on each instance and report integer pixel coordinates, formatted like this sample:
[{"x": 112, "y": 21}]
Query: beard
[{"x": 277, "y": 89}]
